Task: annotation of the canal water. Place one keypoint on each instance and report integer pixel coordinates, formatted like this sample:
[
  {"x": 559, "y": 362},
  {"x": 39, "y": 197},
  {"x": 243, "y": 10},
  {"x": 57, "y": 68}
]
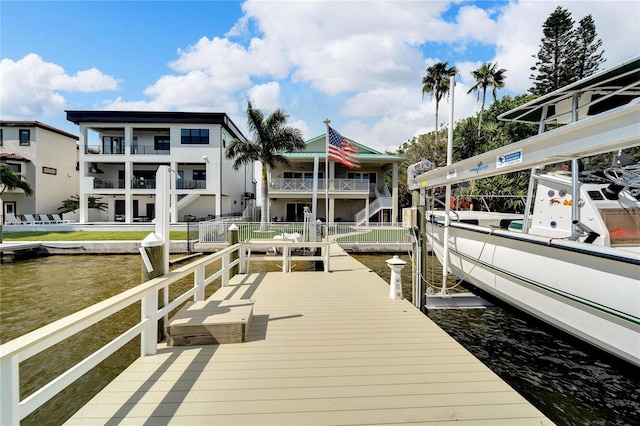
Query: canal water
[{"x": 569, "y": 382}]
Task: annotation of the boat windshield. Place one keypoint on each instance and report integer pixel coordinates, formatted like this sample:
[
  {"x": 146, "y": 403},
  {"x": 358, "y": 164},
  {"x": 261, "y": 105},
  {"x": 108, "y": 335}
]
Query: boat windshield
[{"x": 623, "y": 225}]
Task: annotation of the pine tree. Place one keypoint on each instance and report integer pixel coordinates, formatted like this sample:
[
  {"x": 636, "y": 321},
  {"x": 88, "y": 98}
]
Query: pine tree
[
  {"x": 587, "y": 59},
  {"x": 554, "y": 59}
]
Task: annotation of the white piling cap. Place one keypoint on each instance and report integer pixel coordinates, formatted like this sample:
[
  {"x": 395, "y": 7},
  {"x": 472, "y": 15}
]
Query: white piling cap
[
  {"x": 152, "y": 240},
  {"x": 233, "y": 227},
  {"x": 395, "y": 260}
]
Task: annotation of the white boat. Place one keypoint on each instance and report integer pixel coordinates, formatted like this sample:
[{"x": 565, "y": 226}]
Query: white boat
[{"x": 573, "y": 258}]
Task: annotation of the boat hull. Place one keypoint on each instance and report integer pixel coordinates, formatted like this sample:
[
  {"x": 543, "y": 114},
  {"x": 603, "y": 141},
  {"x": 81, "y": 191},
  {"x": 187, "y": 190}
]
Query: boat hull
[{"x": 592, "y": 293}]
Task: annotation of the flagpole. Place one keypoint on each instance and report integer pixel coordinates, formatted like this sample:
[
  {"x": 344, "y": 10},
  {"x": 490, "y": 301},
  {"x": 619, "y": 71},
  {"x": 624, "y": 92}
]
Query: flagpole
[{"x": 326, "y": 172}]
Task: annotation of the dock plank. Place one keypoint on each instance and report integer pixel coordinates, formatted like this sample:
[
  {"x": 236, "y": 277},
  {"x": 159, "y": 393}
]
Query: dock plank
[{"x": 323, "y": 348}]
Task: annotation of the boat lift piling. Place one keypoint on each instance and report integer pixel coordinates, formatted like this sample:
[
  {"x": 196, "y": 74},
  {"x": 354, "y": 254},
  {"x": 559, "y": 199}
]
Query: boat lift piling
[{"x": 445, "y": 299}]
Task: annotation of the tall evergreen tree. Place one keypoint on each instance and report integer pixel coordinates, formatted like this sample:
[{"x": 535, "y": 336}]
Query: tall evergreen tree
[
  {"x": 436, "y": 82},
  {"x": 488, "y": 75},
  {"x": 554, "y": 59},
  {"x": 587, "y": 59}
]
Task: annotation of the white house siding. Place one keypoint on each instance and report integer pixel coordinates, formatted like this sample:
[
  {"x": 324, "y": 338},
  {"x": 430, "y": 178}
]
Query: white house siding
[
  {"x": 346, "y": 196},
  {"x": 60, "y": 153},
  {"x": 221, "y": 182},
  {"x": 51, "y": 148}
]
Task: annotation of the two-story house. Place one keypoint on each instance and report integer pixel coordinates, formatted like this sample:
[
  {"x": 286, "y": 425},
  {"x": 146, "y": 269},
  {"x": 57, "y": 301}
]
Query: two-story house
[
  {"x": 358, "y": 195},
  {"x": 120, "y": 152},
  {"x": 47, "y": 157}
]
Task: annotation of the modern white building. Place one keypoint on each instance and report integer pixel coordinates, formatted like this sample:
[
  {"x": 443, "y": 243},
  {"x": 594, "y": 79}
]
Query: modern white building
[
  {"x": 120, "y": 152},
  {"x": 48, "y": 159}
]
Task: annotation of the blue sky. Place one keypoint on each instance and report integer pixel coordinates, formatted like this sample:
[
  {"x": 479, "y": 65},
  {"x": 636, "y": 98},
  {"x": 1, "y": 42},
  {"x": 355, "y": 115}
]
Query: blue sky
[{"x": 358, "y": 63}]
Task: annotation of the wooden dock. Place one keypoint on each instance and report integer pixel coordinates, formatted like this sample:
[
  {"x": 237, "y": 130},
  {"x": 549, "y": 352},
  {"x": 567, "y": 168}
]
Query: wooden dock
[
  {"x": 13, "y": 247},
  {"x": 322, "y": 348}
]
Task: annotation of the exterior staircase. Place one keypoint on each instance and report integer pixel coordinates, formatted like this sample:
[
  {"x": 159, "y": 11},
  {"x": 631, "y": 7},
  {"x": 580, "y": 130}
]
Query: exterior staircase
[{"x": 382, "y": 201}]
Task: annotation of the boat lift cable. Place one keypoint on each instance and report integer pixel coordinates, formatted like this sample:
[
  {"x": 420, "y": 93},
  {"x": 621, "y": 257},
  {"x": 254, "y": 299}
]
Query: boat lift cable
[{"x": 477, "y": 260}]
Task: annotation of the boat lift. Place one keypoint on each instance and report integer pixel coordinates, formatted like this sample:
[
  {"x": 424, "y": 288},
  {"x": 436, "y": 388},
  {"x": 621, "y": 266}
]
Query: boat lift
[{"x": 618, "y": 126}]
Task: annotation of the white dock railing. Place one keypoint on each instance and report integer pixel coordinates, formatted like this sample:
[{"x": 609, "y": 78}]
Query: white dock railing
[
  {"x": 12, "y": 353},
  {"x": 216, "y": 232}
]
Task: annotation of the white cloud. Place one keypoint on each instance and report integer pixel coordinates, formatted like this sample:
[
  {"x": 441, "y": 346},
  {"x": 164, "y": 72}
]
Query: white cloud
[
  {"x": 31, "y": 86},
  {"x": 266, "y": 96},
  {"x": 358, "y": 62}
]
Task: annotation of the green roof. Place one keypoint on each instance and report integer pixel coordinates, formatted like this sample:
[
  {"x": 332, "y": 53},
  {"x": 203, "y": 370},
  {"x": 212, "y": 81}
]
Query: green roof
[{"x": 317, "y": 147}]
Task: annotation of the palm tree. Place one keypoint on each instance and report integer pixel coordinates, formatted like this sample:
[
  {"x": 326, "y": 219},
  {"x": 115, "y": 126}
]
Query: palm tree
[
  {"x": 271, "y": 136},
  {"x": 436, "y": 82},
  {"x": 488, "y": 75},
  {"x": 10, "y": 180}
]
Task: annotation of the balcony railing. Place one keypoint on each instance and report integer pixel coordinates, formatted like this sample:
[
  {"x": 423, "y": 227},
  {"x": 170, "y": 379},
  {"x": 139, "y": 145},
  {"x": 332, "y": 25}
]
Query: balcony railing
[
  {"x": 295, "y": 185},
  {"x": 148, "y": 150},
  {"x": 137, "y": 183},
  {"x": 135, "y": 150},
  {"x": 99, "y": 183},
  {"x": 191, "y": 184}
]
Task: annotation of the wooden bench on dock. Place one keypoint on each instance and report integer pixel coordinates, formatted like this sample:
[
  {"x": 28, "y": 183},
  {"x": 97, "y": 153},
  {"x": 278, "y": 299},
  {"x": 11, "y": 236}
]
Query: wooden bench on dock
[{"x": 210, "y": 322}]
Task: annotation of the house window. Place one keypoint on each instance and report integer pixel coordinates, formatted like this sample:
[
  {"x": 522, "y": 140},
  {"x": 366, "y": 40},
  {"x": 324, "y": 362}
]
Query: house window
[
  {"x": 199, "y": 175},
  {"x": 16, "y": 168},
  {"x": 25, "y": 137},
  {"x": 194, "y": 136},
  {"x": 362, "y": 176},
  {"x": 301, "y": 175},
  {"x": 162, "y": 143},
  {"x": 113, "y": 145}
]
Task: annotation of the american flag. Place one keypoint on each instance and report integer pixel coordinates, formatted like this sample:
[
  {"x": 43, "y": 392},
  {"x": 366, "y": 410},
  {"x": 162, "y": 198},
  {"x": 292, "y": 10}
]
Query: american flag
[{"x": 341, "y": 150}]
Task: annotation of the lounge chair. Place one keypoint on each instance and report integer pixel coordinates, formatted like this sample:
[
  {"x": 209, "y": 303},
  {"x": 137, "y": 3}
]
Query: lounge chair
[
  {"x": 45, "y": 219},
  {"x": 10, "y": 219},
  {"x": 31, "y": 221},
  {"x": 57, "y": 219}
]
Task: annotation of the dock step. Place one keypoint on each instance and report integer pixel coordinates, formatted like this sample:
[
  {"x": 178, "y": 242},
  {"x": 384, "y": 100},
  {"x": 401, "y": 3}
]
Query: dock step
[{"x": 210, "y": 322}]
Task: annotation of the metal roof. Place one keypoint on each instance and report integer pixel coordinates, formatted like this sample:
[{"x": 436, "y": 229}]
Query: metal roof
[
  {"x": 317, "y": 147},
  {"x": 377, "y": 156},
  {"x": 595, "y": 94}
]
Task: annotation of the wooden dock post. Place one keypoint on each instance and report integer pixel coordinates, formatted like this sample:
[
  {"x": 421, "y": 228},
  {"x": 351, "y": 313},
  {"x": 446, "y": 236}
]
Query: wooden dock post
[
  {"x": 232, "y": 237},
  {"x": 152, "y": 252}
]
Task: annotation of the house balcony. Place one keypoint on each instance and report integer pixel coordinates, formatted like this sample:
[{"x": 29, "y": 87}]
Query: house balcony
[
  {"x": 304, "y": 187},
  {"x": 138, "y": 183},
  {"x": 99, "y": 183},
  {"x": 134, "y": 150}
]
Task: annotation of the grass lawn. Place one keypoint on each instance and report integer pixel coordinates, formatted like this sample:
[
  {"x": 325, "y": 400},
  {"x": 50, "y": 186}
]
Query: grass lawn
[{"x": 88, "y": 235}]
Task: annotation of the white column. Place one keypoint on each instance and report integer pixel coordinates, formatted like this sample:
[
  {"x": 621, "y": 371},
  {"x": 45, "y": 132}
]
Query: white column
[
  {"x": 394, "y": 194},
  {"x": 173, "y": 197},
  {"x": 217, "y": 171},
  {"x": 162, "y": 210},
  {"x": 82, "y": 171},
  {"x": 366, "y": 211},
  {"x": 128, "y": 198},
  {"x": 128, "y": 139}
]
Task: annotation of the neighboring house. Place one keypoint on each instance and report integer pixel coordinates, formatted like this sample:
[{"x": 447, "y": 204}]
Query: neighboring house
[
  {"x": 48, "y": 159},
  {"x": 354, "y": 195},
  {"x": 120, "y": 152}
]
